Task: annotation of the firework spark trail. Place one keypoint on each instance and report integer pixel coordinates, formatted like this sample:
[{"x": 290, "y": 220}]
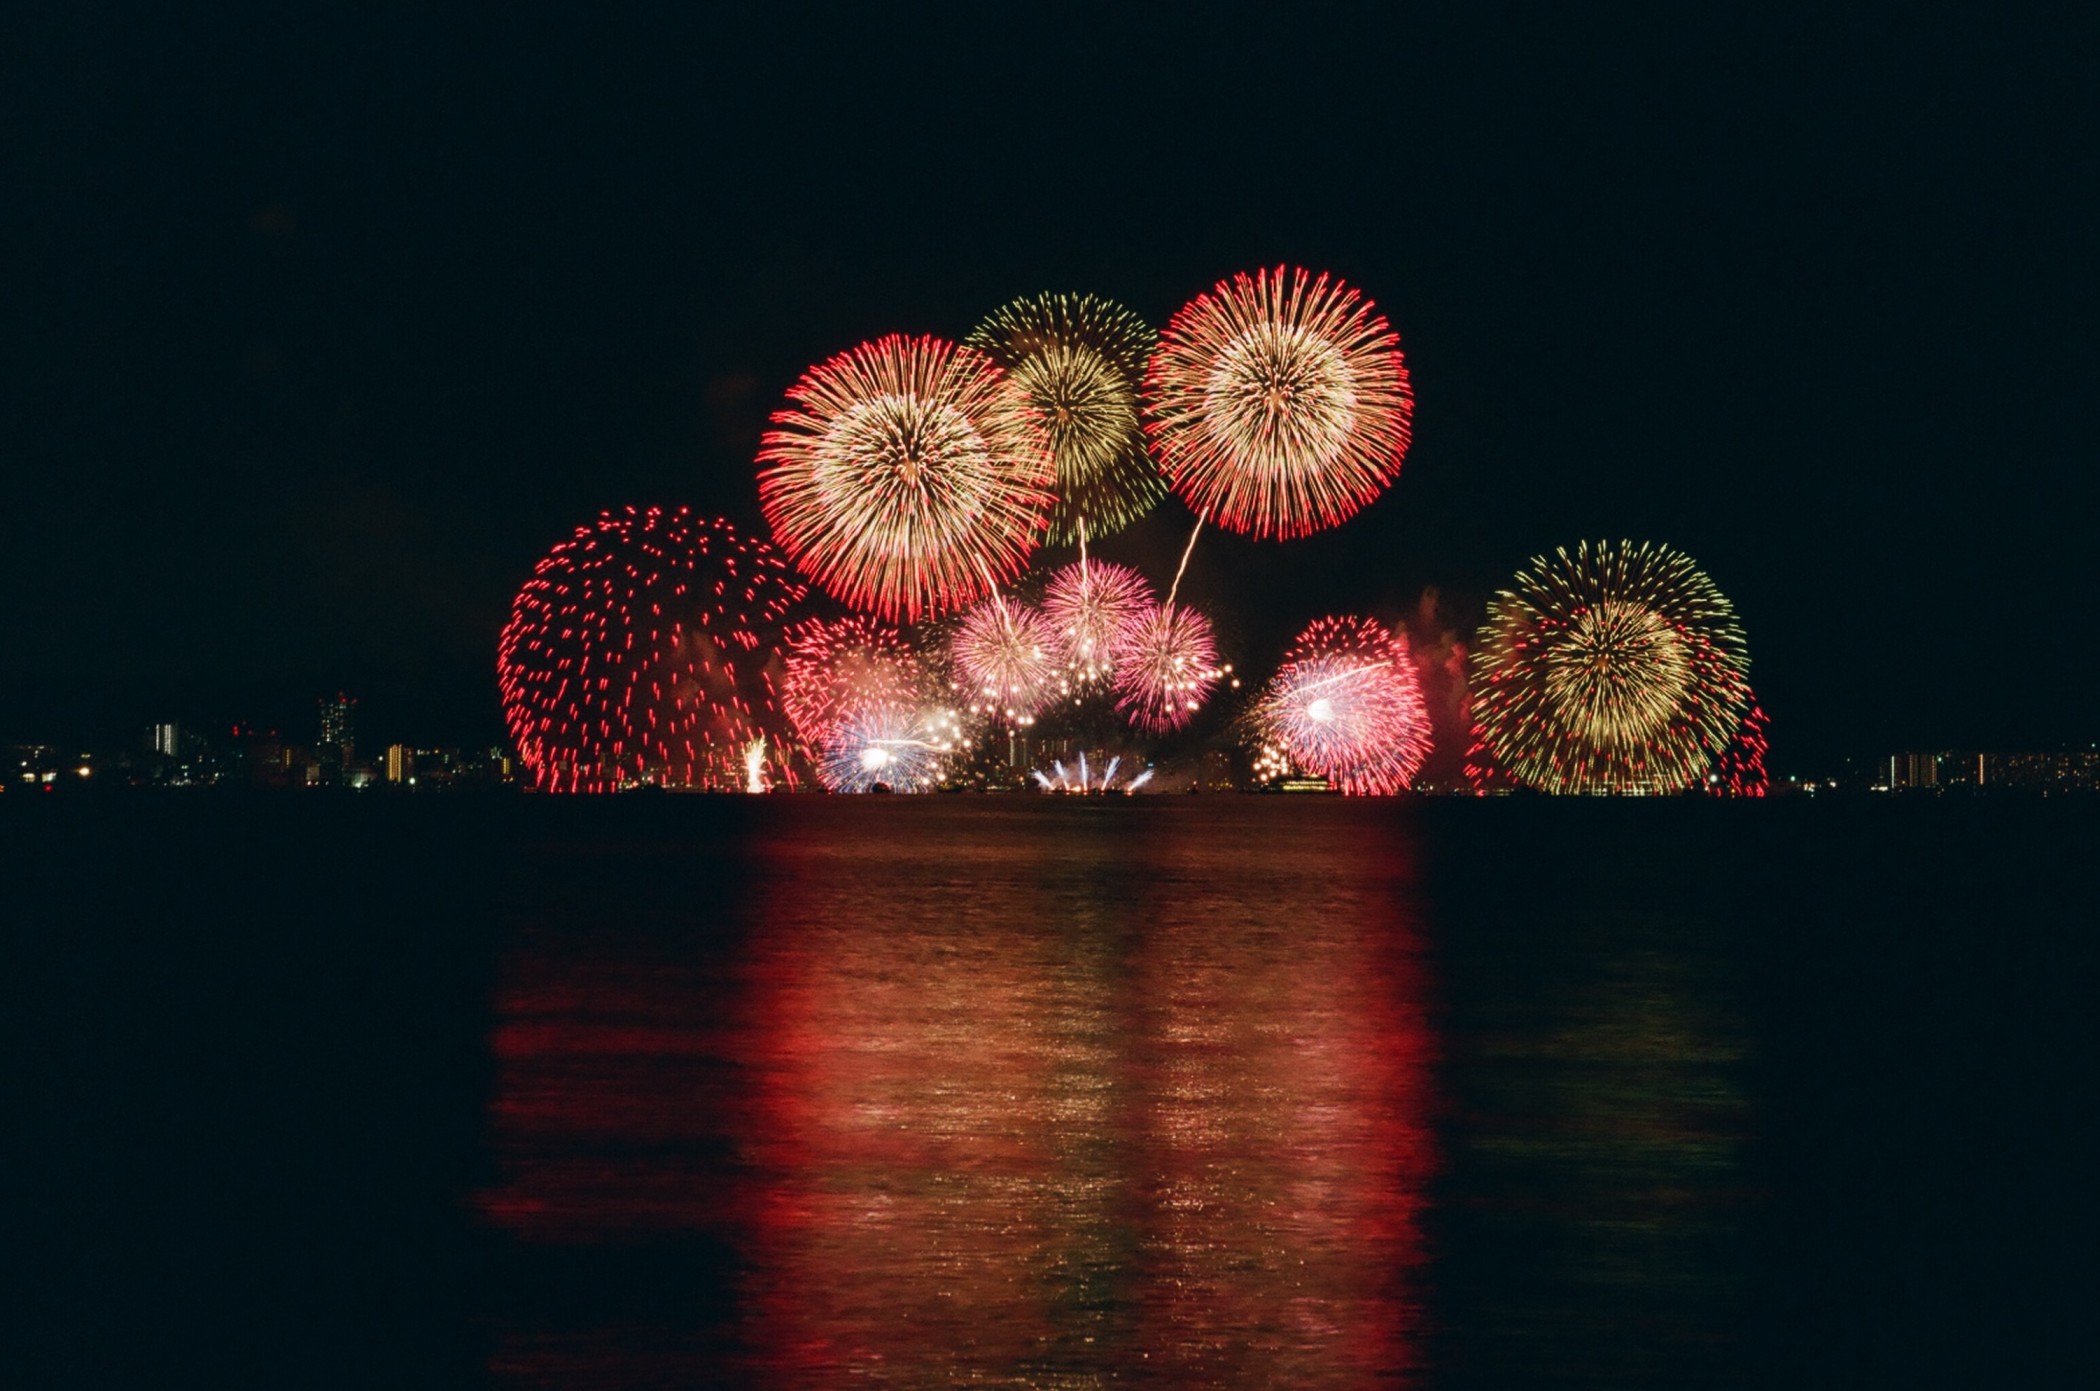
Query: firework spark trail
[
  {"x": 1078, "y": 359},
  {"x": 908, "y": 476},
  {"x": 1278, "y": 403},
  {"x": 1614, "y": 669},
  {"x": 1186, "y": 551},
  {"x": 1347, "y": 704},
  {"x": 643, "y": 650}
]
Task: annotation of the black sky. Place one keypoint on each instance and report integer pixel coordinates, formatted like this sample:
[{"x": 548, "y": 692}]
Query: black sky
[{"x": 321, "y": 330}]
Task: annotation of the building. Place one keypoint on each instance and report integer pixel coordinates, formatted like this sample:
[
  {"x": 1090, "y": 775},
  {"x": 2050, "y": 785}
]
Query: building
[
  {"x": 165, "y": 739},
  {"x": 400, "y": 764},
  {"x": 1914, "y": 770},
  {"x": 338, "y": 744}
]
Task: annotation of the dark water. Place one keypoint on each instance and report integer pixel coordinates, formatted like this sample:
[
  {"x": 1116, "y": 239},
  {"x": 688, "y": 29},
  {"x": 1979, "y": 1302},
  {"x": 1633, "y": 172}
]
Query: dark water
[{"x": 967, "y": 1091}]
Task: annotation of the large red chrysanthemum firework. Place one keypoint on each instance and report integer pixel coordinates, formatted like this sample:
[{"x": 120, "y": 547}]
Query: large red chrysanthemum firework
[
  {"x": 910, "y": 476},
  {"x": 1278, "y": 403},
  {"x": 642, "y": 651},
  {"x": 1347, "y": 704}
]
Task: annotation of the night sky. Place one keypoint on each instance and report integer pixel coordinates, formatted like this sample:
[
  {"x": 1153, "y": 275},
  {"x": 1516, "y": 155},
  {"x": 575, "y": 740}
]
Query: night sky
[{"x": 319, "y": 332}]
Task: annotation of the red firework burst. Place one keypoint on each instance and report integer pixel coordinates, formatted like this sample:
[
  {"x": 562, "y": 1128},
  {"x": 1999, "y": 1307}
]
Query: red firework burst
[
  {"x": 1278, "y": 403},
  {"x": 1005, "y": 657},
  {"x": 1089, "y": 606},
  {"x": 1740, "y": 770},
  {"x": 909, "y": 476},
  {"x": 641, "y": 651},
  {"x": 1166, "y": 666},
  {"x": 1347, "y": 704},
  {"x": 835, "y": 670}
]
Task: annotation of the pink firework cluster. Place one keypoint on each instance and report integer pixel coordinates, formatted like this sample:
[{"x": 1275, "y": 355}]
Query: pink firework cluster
[{"x": 1347, "y": 704}]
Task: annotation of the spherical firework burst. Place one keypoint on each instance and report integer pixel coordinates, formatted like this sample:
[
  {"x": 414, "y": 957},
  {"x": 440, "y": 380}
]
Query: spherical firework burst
[
  {"x": 1614, "y": 669},
  {"x": 903, "y": 748},
  {"x": 642, "y": 650},
  {"x": 909, "y": 476},
  {"x": 1347, "y": 704},
  {"x": 1005, "y": 658},
  {"x": 1278, "y": 403},
  {"x": 835, "y": 669},
  {"x": 1079, "y": 358},
  {"x": 1166, "y": 665},
  {"x": 1088, "y": 607}
]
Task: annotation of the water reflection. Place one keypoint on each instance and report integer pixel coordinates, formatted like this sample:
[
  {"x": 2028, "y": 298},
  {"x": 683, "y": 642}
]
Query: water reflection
[{"x": 1052, "y": 1096}]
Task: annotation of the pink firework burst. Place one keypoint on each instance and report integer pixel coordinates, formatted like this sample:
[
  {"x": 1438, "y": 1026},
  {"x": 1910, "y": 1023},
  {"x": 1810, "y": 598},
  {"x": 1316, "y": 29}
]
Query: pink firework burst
[
  {"x": 835, "y": 670},
  {"x": 1089, "y": 605},
  {"x": 1166, "y": 666},
  {"x": 1278, "y": 403},
  {"x": 908, "y": 477},
  {"x": 1347, "y": 704},
  {"x": 1005, "y": 658},
  {"x": 643, "y": 651}
]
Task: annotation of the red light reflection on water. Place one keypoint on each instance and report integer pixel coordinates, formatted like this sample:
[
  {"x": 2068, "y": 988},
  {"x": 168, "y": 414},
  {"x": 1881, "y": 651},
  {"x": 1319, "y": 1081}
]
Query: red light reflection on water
[{"x": 1037, "y": 1100}]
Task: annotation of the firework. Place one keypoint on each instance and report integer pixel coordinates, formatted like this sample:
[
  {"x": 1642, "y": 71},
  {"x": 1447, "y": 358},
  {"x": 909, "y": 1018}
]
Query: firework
[
  {"x": 1740, "y": 770},
  {"x": 1078, "y": 359},
  {"x": 902, "y": 748},
  {"x": 1278, "y": 403},
  {"x": 1614, "y": 669},
  {"x": 1346, "y": 704},
  {"x": 909, "y": 476},
  {"x": 835, "y": 669},
  {"x": 642, "y": 651},
  {"x": 1088, "y": 606},
  {"x": 1166, "y": 665},
  {"x": 1081, "y": 781},
  {"x": 1005, "y": 656}
]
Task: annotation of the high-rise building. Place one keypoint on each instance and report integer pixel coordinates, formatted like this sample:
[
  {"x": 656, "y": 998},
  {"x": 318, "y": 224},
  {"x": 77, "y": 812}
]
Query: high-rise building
[
  {"x": 1914, "y": 770},
  {"x": 166, "y": 739},
  {"x": 338, "y": 730},
  {"x": 400, "y": 763}
]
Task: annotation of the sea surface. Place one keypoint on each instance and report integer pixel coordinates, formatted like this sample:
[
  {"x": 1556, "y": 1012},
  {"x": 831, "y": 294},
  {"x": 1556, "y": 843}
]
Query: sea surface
[{"x": 1196, "y": 1091}]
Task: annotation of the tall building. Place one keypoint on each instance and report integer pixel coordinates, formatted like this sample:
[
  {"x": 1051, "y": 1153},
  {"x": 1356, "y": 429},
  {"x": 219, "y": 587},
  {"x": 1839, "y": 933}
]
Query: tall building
[
  {"x": 1914, "y": 770},
  {"x": 400, "y": 763},
  {"x": 338, "y": 730},
  {"x": 166, "y": 739}
]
